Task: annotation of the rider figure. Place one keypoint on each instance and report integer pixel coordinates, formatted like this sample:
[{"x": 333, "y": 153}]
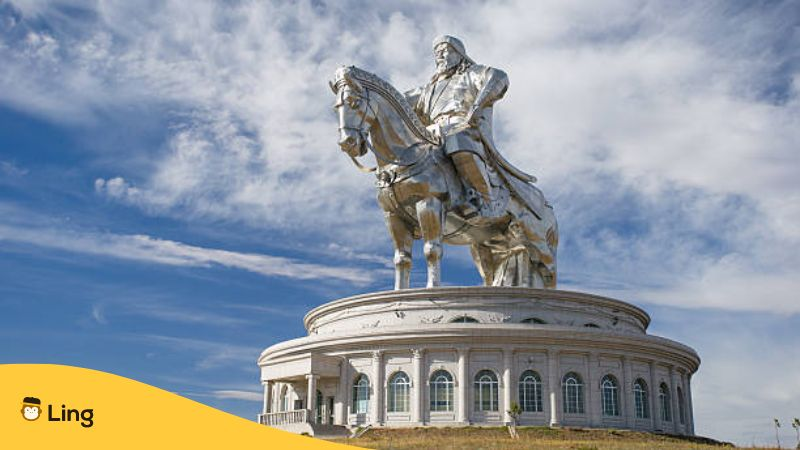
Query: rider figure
[{"x": 457, "y": 105}]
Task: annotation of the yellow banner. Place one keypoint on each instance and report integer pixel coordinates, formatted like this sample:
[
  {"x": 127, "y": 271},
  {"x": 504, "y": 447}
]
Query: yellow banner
[{"x": 63, "y": 407}]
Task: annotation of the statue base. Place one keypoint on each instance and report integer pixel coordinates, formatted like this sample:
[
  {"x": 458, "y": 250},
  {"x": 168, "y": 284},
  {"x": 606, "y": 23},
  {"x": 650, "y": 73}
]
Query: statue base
[{"x": 455, "y": 355}]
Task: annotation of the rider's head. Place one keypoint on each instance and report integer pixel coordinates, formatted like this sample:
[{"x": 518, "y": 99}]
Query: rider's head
[{"x": 449, "y": 52}]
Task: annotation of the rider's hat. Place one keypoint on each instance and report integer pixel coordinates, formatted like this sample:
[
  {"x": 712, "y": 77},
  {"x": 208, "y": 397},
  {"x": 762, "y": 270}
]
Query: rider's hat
[{"x": 455, "y": 43}]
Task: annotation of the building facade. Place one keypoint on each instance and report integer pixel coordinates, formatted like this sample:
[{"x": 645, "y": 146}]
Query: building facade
[{"x": 462, "y": 356}]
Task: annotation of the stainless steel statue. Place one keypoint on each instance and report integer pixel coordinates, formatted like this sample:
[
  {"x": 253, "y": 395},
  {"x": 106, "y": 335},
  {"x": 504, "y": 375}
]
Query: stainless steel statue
[{"x": 439, "y": 175}]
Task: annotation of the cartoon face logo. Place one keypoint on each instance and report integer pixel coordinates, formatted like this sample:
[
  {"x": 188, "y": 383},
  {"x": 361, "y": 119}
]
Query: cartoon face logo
[{"x": 31, "y": 408}]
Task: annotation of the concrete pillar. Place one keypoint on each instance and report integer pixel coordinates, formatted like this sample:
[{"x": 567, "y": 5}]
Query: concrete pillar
[
  {"x": 417, "y": 383},
  {"x": 376, "y": 407},
  {"x": 592, "y": 389},
  {"x": 311, "y": 396},
  {"x": 508, "y": 364},
  {"x": 554, "y": 376},
  {"x": 342, "y": 394},
  {"x": 689, "y": 407},
  {"x": 626, "y": 393},
  {"x": 655, "y": 403},
  {"x": 673, "y": 389},
  {"x": 267, "y": 397},
  {"x": 463, "y": 385}
]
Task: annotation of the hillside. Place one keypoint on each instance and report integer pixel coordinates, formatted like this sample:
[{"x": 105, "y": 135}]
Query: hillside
[{"x": 497, "y": 438}]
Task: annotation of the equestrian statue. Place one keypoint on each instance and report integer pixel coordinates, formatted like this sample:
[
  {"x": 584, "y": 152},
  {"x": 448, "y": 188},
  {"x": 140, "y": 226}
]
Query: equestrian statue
[{"x": 439, "y": 175}]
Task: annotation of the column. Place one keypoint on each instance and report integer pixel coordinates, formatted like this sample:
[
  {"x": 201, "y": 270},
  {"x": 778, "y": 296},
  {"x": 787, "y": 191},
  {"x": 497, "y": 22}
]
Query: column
[
  {"x": 463, "y": 384},
  {"x": 593, "y": 391},
  {"x": 553, "y": 386},
  {"x": 267, "y": 397},
  {"x": 311, "y": 396},
  {"x": 689, "y": 407},
  {"x": 376, "y": 407},
  {"x": 626, "y": 392},
  {"x": 655, "y": 404},
  {"x": 417, "y": 384},
  {"x": 508, "y": 362},
  {"x": 343, "y": 394},
  {"x": 673, "y": 389}
]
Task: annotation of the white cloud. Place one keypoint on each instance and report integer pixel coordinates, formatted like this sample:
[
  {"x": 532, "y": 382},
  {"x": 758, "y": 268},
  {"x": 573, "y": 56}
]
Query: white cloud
[
  {"x": 238, "y": 395},
  {"x": 162, "y": 251},
  {"x": 98, "y": 314},
  {"x": 212, "y": 355},
  {"x": 160, "y": 311},
  {"x": 10, "y": 170}
]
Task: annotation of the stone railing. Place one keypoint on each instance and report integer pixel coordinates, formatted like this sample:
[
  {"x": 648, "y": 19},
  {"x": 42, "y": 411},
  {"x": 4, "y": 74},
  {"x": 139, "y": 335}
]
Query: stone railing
[{"x": 285, "y": 417}]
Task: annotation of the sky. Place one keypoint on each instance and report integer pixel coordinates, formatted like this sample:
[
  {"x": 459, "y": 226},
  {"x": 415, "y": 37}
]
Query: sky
[{"x": 172, "y": 198}]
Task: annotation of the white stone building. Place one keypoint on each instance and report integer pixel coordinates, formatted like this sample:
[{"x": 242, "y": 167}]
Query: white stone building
[{"x": 461, "y": 356}]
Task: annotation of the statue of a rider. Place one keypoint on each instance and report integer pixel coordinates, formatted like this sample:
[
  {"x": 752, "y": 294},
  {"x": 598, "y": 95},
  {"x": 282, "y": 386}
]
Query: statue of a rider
[{"x": 457, "y": 106}]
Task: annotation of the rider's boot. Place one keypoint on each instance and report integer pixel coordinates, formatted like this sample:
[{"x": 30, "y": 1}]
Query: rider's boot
[{"x": 472, "y": 170}]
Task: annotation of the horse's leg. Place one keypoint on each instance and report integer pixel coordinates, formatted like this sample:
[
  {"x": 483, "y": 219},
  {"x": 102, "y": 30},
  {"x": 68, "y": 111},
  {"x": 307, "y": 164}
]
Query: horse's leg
[
  {"x": 403, "y": 240},
  {"x": 429, "y": 214},
  {"x": 484, "y": 261}
]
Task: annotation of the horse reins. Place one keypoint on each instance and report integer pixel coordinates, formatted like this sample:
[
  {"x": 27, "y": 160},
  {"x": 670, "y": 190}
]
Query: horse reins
[{"x": 362, "y": 134}]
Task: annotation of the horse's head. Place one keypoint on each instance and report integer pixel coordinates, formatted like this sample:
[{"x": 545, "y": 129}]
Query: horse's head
[{"x": 352, "y": 105}]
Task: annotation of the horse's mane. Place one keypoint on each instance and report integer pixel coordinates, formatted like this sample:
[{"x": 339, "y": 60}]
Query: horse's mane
[{"x": 392, "y": 95}]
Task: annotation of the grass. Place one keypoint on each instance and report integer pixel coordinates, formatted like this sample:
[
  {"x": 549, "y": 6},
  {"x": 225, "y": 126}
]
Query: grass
[{"x": 497, "y": 438}]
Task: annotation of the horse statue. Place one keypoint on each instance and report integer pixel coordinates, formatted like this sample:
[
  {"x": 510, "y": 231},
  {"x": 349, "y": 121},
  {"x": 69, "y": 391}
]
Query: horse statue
[{"x": 423, "y": 198}]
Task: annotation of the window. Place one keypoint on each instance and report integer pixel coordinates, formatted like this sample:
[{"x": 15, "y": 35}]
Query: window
[
  {"x": 591, "y": 325},
  {"x": 399, "y": 385},
  {"x": 464, "y": 319},
  {"x": 361, "y": 394},
  {"x": 640, "y": 400},
  {"x": 609, "y": 391},
  {"x": 530, "y": 392},
  {"x": 534, "y": 320},
  {"x": 573, "y": 393},
  {"x": 285, "y": 398},
  {"x": 663, "y": 400},
  {"x": 681, "y": 407},
  {"x": 486, "y": 388},
  {"x": 441, "y": 394}
]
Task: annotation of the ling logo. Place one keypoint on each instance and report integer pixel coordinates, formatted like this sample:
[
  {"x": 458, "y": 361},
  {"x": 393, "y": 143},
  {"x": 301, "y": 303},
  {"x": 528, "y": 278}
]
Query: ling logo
[{"x": 32, "y": 409}]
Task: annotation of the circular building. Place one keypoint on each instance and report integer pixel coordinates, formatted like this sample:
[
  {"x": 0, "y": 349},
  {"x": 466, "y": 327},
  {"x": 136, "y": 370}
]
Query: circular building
[{"x": 463, "y": 355}]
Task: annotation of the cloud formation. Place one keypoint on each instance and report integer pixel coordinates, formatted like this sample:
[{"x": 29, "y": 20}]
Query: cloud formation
[
  {"x": 162, "y": 251},
  {"x": 666, "y": 137}
]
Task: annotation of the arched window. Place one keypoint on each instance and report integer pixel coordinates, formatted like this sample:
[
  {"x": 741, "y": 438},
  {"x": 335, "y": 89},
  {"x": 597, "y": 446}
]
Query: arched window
[
  {"x": 361, "y": 394},
  {"x": 610, "y": 396},
  {"x": 441, "y": 394},
  {"x": 640, "y": 399},
  {"x": 285, "y": 398},
  {"x": 534, "y": 320},
  {"x": 399, "y": 385},
  {"x": 663, "y": 400},
  {"x": 573, "y": 393},
  {"x": 486, "y": 388},
  {"x": 681, "y": 407},
  {"x": 530, "y": 391},
  {"x": 464, "y": 319}
]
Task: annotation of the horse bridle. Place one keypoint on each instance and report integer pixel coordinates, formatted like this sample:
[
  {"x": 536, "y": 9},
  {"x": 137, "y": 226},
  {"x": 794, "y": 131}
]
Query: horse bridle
[{"x": 362, "y": 134}]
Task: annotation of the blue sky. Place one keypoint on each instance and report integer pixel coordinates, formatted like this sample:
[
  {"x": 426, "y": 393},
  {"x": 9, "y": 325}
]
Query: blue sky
[{"x": 172, "y": 199}]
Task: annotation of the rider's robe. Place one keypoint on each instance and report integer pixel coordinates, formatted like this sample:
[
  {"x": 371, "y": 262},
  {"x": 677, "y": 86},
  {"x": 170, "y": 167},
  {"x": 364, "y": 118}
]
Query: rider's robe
[{"x": 443, "y": 104}]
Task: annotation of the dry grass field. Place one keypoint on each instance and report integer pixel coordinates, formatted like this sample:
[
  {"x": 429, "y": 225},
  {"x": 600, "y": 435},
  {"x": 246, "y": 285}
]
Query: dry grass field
[{"x": 474, "y": 438}]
